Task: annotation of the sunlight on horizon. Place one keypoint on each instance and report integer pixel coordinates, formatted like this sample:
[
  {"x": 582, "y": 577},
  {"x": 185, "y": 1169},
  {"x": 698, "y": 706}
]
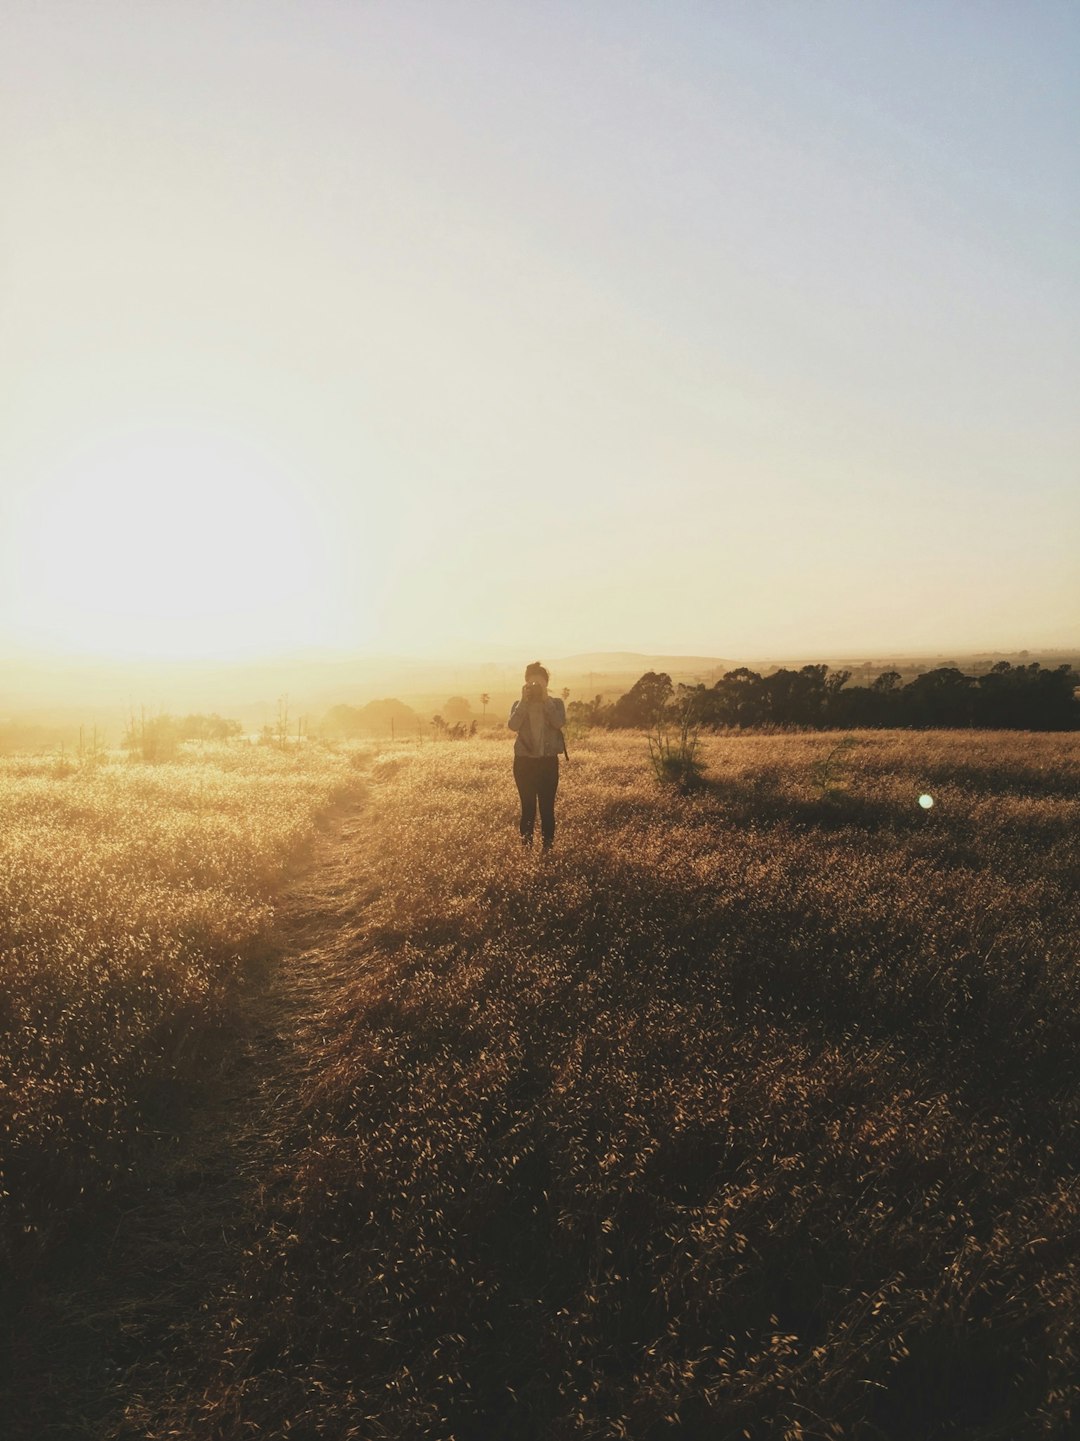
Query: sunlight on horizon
[{"x": 173, "y": 547}]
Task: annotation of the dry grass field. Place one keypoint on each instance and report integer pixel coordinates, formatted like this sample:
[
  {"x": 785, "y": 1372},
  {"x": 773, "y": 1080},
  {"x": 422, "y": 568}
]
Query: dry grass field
[
  {"x": 751, "y": 1112},
  {"x": 129, "y": 896}
]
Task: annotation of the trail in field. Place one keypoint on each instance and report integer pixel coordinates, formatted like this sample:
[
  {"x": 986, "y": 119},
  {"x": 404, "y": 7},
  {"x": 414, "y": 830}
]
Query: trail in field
[{"x": 122, "y": 1324}]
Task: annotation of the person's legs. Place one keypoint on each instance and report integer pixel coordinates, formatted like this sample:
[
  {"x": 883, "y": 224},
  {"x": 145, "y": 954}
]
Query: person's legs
[
  {"x": 525, "y": 780},
  {"x": 547, "y": 785}
]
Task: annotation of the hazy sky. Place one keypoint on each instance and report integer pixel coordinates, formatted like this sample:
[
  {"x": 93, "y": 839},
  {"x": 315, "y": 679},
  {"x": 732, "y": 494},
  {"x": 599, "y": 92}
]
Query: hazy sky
[{"x": 729, "y": 328}]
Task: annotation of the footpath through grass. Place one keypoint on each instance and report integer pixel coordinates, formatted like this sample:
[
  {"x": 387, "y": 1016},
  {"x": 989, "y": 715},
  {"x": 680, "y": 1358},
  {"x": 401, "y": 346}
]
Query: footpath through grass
[
  {"x": 752, "y": 1113},
  {"x": 131, "y": 897}
]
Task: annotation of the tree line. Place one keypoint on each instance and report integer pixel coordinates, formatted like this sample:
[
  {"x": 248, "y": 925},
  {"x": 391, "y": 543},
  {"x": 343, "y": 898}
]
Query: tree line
[{"x": 1008, "y": 697}]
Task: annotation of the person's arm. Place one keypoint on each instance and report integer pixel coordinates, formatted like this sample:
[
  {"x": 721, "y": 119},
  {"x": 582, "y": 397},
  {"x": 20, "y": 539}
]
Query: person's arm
[
  {"x": 555, "y": 712},
  {"x": 517, "y": 716}
]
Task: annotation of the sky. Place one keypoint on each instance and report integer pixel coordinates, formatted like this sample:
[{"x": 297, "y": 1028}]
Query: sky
[{"x": 460, "y": 327}]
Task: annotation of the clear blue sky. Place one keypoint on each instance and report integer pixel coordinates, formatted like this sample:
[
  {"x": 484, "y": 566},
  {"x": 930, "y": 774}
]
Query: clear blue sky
[{"x": 719, "y": 328}]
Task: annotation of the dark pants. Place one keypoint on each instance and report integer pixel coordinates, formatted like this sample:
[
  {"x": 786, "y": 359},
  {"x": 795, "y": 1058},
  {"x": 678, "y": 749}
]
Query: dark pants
[{"x": 537, "y": 779}]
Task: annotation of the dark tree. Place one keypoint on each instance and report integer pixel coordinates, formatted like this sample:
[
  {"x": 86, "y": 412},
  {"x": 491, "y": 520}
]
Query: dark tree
[
  {"x": 643, "y": 702},
  {"x": 887, "y": 682},
  {"x": 457, "y": 708},
  {"x": 1024, "y": 697},
  {"x": 740, "y": 699},
  {"x": 587, "y": 712},
  {"x": 940, "y": 697},
  {"x": 208, "y": 728}
]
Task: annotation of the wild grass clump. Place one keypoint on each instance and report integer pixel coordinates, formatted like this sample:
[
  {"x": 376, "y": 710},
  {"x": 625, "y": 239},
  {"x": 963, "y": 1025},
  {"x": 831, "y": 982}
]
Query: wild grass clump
[
  {"x": 751, "y": 1112},
  {"x": 673, "y": 749},
  {"x": 130, "y": 896},
  {"x": 829, "y": 771}
]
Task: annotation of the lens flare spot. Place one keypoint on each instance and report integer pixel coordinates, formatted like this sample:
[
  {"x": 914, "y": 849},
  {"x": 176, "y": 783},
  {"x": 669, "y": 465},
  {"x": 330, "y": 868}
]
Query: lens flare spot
[{"x": 926, "y": 801}]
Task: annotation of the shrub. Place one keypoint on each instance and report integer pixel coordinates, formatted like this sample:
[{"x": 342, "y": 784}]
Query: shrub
[{"x": 674, "y": 753}]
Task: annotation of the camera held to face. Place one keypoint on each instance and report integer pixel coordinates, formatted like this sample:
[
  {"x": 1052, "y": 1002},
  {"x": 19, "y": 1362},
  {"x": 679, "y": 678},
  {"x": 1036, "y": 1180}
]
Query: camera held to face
[{"x": 534, "y": 690}]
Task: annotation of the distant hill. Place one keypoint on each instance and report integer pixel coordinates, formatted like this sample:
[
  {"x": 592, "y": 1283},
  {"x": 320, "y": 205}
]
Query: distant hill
[{"x": 622, "y": 660}]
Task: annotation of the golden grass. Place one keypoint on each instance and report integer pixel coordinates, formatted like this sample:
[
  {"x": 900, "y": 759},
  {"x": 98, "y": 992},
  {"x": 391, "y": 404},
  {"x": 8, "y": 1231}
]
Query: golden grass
[
  {"x": 752, "y": 1112},
  {"x": 129, "y": 896}
]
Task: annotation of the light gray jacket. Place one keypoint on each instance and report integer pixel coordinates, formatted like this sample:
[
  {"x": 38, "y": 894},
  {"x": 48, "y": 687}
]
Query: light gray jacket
[{"x": 539, "y": 726}]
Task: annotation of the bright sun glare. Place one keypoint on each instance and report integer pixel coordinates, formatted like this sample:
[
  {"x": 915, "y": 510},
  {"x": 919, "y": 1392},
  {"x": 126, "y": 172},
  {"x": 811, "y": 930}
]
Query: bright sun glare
[{"x": 173, "y": 548}]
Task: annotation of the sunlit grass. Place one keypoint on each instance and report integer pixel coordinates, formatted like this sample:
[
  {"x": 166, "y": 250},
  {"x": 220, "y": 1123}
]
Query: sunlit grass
[
  {"x": 129, "y": 897},
  {"x": 751, "y": 1111}
]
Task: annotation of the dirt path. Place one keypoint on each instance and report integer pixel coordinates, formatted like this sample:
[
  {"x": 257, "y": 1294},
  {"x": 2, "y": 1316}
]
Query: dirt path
[{"x": 122, "y": 1322}]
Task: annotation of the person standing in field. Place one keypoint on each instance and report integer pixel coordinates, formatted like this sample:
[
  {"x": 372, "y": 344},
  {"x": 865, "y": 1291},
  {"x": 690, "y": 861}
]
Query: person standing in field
[{"x": 538, "y": 720}]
